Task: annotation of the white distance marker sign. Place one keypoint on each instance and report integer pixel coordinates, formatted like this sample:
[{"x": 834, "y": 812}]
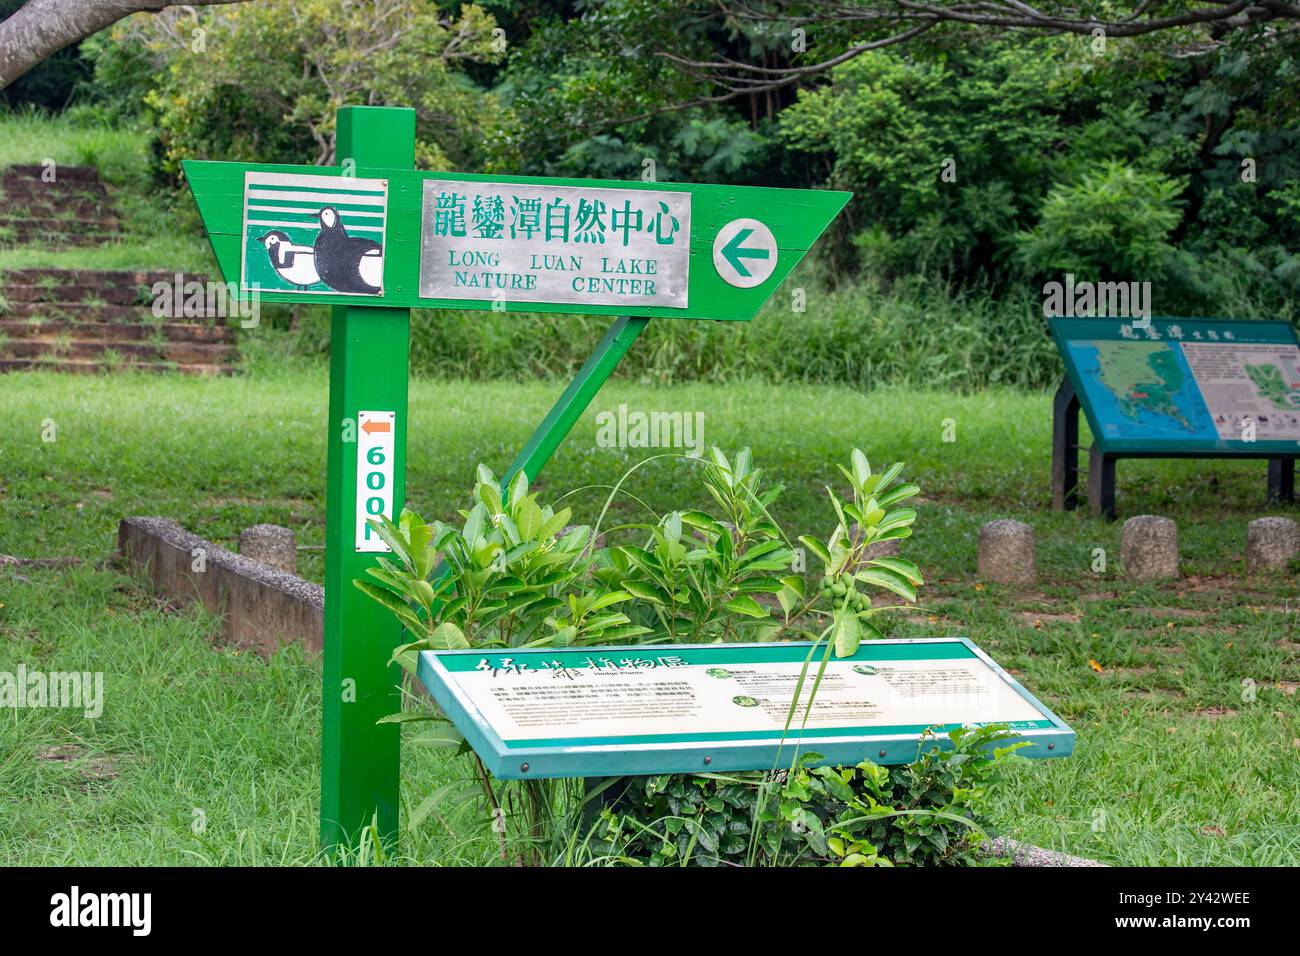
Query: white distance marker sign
[{"x": 375, "y": 442}]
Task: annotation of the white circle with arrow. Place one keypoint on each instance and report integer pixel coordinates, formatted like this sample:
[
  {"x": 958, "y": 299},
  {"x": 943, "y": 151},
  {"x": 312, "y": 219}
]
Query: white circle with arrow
[{"x": 744, "y": 253}]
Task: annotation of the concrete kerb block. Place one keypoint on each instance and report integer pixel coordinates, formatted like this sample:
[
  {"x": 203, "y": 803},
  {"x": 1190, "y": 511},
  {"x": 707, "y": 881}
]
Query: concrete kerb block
[
  {"x": 271, "y": 544},
  {"x": 1271, "y": 544},
  {"x": 262, "y": 608}
]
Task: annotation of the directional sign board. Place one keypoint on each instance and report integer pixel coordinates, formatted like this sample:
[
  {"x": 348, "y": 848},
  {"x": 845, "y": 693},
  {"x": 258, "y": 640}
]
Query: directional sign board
[
  {"x": 375, "y": 238},
  {"x": 449, "y": 240},
  {"x": 1185, "y": 385},
  {"x": 611, "y": 711}
]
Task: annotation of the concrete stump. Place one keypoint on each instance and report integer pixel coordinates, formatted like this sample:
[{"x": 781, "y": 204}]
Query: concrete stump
[
  {"x": 1006, "y": 552},
  {"x": 1150, "y": 548},
  {"x": 270, "y": 544},
  {"x": 1271, "y": 543}
]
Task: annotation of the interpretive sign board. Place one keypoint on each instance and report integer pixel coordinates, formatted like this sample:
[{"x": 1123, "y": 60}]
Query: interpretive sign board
[
  {"x": 1173, "y": 388},
  {"x": 613, "y": 711},
  {"x": 1186, "y": 385}
]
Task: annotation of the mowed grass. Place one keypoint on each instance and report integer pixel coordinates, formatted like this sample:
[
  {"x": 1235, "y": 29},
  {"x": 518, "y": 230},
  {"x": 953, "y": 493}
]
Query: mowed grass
[
  {"x": 1183, "y": 694},
  {"x": 159, "y": 225}
]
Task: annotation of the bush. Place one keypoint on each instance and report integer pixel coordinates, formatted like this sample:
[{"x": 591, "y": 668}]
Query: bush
[
  {"x": 1112, "y": 223},
  {"x": 517, "y": 573},
  {"x": 917, "y": 332},
  {"x": 926, "y": 813},
  {"x": 261, "y": 82}
]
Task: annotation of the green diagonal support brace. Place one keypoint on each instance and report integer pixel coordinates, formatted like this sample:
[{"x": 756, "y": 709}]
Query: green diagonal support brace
[
  {"x": 568, "y": 408},
  {"x": 565, "y": 413}
]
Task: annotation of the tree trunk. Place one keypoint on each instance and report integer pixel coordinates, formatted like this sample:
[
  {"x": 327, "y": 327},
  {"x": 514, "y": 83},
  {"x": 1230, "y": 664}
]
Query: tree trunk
[{"x": 41, "y": 28}]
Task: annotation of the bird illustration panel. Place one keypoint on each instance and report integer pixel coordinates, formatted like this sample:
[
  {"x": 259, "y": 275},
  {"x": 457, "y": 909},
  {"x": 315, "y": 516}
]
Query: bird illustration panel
[{"x": 314, "y": 234}]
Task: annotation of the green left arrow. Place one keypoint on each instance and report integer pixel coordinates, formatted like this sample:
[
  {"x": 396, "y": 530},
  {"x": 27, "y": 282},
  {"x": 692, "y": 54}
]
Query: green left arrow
[{"x": 735, "y": 250}]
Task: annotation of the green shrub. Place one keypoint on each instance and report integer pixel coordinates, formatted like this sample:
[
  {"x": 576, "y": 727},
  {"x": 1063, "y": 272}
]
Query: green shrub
[
  {"x": 518, "y": 573},
  {"x": 916, "y": 332},
  {"x": 926, "y": 813},
  {"x": 1112, "y": 223},
  {"x": 261, "y": 82}
]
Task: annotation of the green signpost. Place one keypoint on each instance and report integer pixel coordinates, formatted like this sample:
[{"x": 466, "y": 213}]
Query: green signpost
[{"x": 373, "y": 238}]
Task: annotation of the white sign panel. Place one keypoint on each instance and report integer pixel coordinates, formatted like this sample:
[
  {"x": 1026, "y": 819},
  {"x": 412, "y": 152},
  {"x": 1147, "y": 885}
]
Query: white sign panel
[
  {"x": 525, "y": 242},
  {"x": 375, "y": 443},
  {"x": 604, "y": 699},
  {"x": 1243, "y": 383},
  {"x": 665, "y": 708}
]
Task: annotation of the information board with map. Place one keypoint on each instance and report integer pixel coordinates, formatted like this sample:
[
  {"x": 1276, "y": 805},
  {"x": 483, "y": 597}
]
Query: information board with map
[
  {"x": 613, "y": 711},
  {"x": 1185, "y": 385}
]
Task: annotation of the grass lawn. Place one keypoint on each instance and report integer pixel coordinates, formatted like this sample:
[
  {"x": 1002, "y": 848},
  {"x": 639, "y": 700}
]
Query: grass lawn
[
  {"x": 158, "y": 226},
  {"x": 1178, "y": 762}
]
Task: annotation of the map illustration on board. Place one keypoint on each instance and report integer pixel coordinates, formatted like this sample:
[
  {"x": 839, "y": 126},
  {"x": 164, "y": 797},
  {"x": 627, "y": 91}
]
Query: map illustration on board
[
  {"x": 1256, "y": 382},
  {"x": 1272, "y": 386},
  {"x": 1143, "y": 389}
]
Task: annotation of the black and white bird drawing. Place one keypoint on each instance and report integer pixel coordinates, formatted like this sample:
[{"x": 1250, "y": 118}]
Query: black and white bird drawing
[
  {"x": 347, "y": 263},
  {"x": 295, "y": 264}
]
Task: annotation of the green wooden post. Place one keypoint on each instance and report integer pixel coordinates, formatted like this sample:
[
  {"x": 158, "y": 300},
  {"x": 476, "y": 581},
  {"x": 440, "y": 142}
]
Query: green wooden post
[{"x": 368, "y": 372}]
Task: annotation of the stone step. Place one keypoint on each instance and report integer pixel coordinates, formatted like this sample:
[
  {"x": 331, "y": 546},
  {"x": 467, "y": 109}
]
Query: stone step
[
  {"x": 35, "y": 224},
  {"x": 40, "y": 206},
  {"x": 26, "y": 186},
  {"x": 36, "y": 171},
  {"x": 89, "y": 367},
  {"x": 25, "y": 190},
  {"x": 77, "y": 312},
  {"x": 108, "y": 312},
  {"x": 117, "y": 331},
  {"x": 71, "y": 189},
  {"x": 181, "y": 353},
  {"x": 53, "y": 239},
  {"x": 95, "y": 277},
  {"x": 105, "y": 295}
]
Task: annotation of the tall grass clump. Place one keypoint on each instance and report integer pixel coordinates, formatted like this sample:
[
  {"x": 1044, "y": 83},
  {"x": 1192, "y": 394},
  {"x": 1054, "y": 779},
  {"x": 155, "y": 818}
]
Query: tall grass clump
[{"x": 860, "y": 334}]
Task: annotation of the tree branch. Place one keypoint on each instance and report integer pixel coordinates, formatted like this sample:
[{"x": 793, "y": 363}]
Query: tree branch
[
  {"x": 41, "y": 28},
  {"x": 735, "y": 78}
]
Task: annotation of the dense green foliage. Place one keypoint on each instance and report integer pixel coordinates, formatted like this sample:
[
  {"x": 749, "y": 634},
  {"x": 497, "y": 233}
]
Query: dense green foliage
[
  {"x": 983, "y": 164},
  {"x": 926, "y": 813},
  {"x": 863, "y": 334}
]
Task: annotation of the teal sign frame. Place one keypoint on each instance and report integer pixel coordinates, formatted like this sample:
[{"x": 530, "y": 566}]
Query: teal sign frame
[
  {"x": 1130, "y": 435},
  {"x": 704, "y": 751}
]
